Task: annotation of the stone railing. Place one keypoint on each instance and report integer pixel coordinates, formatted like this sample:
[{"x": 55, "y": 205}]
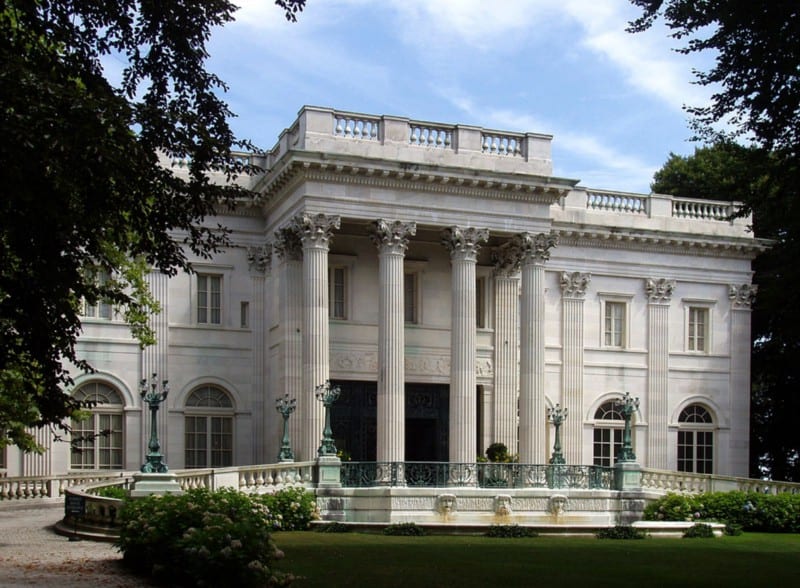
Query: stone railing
[
  {"x": 356, "y": 127},
  {"x": 24, "y": 488},
  {"x": 425, "y": 135},
  {"x": 702, "y": 209},
  {"x": 617, "y": 202},
  {"x": 687, "y": 483}
]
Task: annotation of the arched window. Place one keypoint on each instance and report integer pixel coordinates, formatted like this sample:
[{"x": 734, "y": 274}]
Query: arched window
[
  {"x": 209, "y": 428},
  {"x": 97, "y": 442},
  {"x": 695, "y": 440},
  {"x": 607, "y": 434}
]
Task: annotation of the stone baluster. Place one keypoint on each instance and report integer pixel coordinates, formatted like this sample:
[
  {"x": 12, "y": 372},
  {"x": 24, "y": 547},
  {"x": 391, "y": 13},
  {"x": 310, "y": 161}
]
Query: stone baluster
[
  {"x": 463, "y": 244},
  {"x": 391, "y": 239}
]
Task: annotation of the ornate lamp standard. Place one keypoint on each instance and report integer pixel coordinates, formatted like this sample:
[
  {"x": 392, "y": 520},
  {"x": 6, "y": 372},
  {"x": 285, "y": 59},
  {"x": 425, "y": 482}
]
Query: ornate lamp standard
[
  {"x": 153, "y": 397},
  {"x": 286, "y": 407},
  {"x": 327, "y": 394},
  {"x": 557, "y": 415},
  {"x": 628, "y": 406}
]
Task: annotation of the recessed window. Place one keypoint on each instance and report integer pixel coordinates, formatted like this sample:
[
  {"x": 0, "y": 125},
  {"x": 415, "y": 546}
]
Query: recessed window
[
  {"x": 696, "y": 440},
  {"x": 103, "y": 308},
  {"x": 209, "y": 299},
  {"x": 97, "y": 442},
  {"x": 697, "y": 329},
  {"x": 607, "y": 434},
  {"x": 208, "y": 426},
  {"x": 614, "y": 319},
  {"x": 410, "y": 293},
  {"x": 338, "y": 292},
  {"x": 480, "y": 302},
  {"x": 244, "y": 315}
]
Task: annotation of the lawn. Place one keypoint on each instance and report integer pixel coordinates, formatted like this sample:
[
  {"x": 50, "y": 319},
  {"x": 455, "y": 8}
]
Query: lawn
[{"x": 359, "y": 559}]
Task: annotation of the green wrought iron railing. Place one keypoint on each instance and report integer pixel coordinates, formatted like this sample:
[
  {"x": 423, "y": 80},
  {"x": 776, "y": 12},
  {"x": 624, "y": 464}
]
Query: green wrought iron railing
[{"x": 484, "y": 475}]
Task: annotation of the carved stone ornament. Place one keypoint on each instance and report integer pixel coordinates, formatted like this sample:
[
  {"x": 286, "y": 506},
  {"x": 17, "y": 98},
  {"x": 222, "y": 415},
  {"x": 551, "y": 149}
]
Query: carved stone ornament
[
  {"x": 446, "y": 504},
  {"x": 505, "y": 260},
  {"x": 288, "y": 245},
  {"x": 260, "y": 258},
  {"x": 534, "y": 248},
  {"x": 742, "y": 296},
  {"x": 392, "y": 236},
  {"x": 659, "y": 290},
  {"x": 502, "y": 505},
  {"x": 558, "y": 504},
  {"x": 315, "y": 230},
  {"x": 464, "y": 243},
  {"x": 573, "y": 285}
]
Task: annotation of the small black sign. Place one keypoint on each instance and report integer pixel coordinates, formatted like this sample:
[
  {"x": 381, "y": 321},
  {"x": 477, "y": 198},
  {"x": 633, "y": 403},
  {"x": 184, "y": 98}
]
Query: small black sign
[{"x": 74, "y": 505}]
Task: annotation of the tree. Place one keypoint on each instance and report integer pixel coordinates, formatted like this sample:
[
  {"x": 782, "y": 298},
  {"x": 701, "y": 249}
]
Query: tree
[
  {"x": 755, "y": 176},
  {"x": 84, "y": 192},
  {"x": 756, "y": 75}
]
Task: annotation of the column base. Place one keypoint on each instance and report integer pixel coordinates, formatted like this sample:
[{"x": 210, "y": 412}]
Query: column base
[
  {"x": 628, "y": 476},
  {"x": 148, "y": 484},
  {"x": 329, "y": 472}
]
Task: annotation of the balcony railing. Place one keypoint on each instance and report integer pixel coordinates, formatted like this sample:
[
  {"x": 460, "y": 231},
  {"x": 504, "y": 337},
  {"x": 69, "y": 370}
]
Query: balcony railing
[{"x": 482, "y": 475}]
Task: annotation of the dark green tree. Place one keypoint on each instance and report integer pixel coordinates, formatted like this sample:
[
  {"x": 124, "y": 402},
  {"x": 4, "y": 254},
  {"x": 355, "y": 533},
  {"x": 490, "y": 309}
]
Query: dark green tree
[
  {"x": 728, "y": 171},
  {"x": 83, "y": 189}
]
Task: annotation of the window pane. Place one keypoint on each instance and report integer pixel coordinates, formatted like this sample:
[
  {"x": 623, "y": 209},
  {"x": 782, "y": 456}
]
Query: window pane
[
  {"x": 698, "y": 321},
  {"x": 338, "y": 293},
  {"x": 614, "y": 324},
  {"x": 196, "y": 439}
]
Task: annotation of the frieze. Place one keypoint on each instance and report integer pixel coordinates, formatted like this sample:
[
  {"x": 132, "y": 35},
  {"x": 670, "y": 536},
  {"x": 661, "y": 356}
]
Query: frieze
[
  {"x": 413, "y": 502},
  {"x": 659, "y": 291},
  {"x": 427, "y": 364},
  {"x": 574, "y": 285},
  {"x": 355, "y": 361},
  {"x": 742, "y": 296},
  {"x": 475, "y": 503}
]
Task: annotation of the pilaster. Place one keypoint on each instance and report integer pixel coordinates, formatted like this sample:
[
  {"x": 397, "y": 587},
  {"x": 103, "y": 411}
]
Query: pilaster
[
  {"x": 391, "y": 239},
  {"x": 659, "y": 295},
  {"x": 573, "y": 292},
  {"x": 742, "y": 298},
  {"x": 463, "y": 245},
  {"x": 260, "y": 262}
]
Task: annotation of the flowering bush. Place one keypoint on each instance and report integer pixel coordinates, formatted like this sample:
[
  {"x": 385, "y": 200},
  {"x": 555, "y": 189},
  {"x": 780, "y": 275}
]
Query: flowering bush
[
  {"x": 201, "y": 538},
  {"x": 292, "y": 508}
]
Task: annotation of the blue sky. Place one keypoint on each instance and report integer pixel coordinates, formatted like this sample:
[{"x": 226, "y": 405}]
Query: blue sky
[{"x": 612, "y": 100}]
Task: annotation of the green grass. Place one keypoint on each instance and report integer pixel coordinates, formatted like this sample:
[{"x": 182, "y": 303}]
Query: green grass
[{"x": 360, "y": 559}]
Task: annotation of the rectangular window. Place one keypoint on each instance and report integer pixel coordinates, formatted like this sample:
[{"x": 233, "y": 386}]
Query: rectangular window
[
  {"x": 614, "y": 324},
  {"x": 698, "y": 329},
  {"x": 337, "y": 308},
  {"x": 480, "y": 303},
  {"x": 97, "y": 442},
  {"x": 196, "y": 442},
  {"x": 103, "y": 309},
  {"x": 410, "y": 298},
  {"x": 607, "y": 443},
  {"x": 221, "y": 442},
  {"x": 696, "y": 451},
  {"x": 244, "y": 315},
  {"x": 209, "y": 299}
]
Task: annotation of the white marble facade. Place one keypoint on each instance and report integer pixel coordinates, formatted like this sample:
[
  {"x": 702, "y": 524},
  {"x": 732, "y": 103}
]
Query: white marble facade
[{"x": 394, "y": 253}]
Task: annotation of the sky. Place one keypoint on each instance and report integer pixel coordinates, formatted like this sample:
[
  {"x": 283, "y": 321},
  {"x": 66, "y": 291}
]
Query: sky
[{"x": 612, "y": 100}]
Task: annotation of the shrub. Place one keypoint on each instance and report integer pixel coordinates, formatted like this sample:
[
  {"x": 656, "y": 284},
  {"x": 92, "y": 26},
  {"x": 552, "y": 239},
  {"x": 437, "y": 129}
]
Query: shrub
[
  {"x": 498, "y": 453},
  {"x": 620, "y": 532},
  {"x": 699, "y": 531},
  {"x": 672, "y": 507},
  {"x": 333, "y": 527},
  {"x": 732, "y": 529},
  {"x": 112, "y": 492},
  {"x": 200, "y": 538},
  {"x": 510, "y": 531},
  {"x": 293, "y": 508},
  {"x": 404, "y": 530}
]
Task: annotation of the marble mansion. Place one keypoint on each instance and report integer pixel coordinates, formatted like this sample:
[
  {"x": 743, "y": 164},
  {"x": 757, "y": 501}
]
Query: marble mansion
[{"x": 454, "y": 290}]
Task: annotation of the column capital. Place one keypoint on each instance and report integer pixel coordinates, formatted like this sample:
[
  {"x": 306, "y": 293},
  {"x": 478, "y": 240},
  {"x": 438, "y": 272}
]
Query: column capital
[
  {"x": 287, "y": 244},
  {"x": 534, "y": 248},
  {"x": 260, "y": 258},
  {"x": 573, "y": 285},
  {"x": 742, "y": 297},
  {"x": 315, "y": 230},
  {"x": 392, "y": 236},
  {"x": 505, "y": 261},
  {"x": 464, "y": 243},
  {"x": 659, "y": 290}
]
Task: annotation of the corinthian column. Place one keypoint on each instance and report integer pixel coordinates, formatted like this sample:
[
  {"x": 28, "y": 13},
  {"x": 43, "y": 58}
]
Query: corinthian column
[
  {"x": 506, "y": 346},
  {"x": 742, "y": 298},
  {"x": 573, "y": 291},
  {"x": 659, "y": 295},
  {"x": 289, "y": 249},
  {"x": 391, "y": 238},
  {"x": 463, "y": 245},
  {"x": 534, "y": 251},
  {"x": 260, "y": 261},
  {"x": 315, "y": 233}
]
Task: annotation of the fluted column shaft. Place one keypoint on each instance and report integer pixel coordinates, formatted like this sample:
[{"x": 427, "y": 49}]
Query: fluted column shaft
[
  {"x": 659, "y": 294},
  {"x": 260, "y": 262},
  {"x": 315, "y": 233},
  {"x": 391, "y": 238},
  {"x": 463, "y": 245},
  {"x": 573, "y": 288},
  {"x": 506, "y": 352},
  {"x": 534, "y": 250},
  {"x": 742, "y": 298}
]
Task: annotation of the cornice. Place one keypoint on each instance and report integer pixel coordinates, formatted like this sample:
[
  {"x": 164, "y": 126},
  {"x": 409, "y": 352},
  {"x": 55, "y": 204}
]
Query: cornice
[
  {"x": 658, "y": 242},
  {"x": 305, "y": 166}
]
